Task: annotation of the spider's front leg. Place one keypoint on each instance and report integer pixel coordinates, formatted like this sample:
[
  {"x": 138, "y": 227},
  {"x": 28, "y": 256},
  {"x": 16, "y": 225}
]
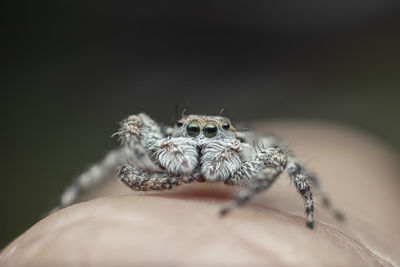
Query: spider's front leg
[
  {"x": 260, "y": 172},
  {"x": 158, "y": 163},
  {"x": 140, "y": 180},
  {"x": 139, "y": 134}
]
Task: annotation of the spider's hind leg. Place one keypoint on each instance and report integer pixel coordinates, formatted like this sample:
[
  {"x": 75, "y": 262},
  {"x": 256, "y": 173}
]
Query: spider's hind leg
[
  {"x": 299, "y": 178},
  {"x": 262, "y": 170},
  {"x": 94, "y": 176},
  {"x": 296, "y": 170},
  {"x": 259, "y": 173}
]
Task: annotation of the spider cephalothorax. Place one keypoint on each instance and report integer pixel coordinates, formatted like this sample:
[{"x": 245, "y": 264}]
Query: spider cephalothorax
[{"x": 200, "y": 148}]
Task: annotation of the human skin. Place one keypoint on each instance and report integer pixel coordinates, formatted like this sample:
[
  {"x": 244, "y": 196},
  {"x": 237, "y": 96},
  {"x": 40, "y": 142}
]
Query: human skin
[{"x": 181, "y": 227}]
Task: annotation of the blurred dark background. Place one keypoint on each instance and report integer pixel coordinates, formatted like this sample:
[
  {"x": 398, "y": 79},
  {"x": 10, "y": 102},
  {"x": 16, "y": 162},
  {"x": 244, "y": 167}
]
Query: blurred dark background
[{"x": 72, "y": 69}]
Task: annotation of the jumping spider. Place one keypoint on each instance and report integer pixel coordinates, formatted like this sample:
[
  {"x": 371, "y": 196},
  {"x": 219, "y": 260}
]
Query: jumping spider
[{"x": 199, "y": 148}]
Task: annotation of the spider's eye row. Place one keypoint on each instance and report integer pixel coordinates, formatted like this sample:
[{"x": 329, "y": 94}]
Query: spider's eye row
[
  {"x": 179, "y": 123},
  {"x": 193, "y": 129},
  {"x": 210, "y": 130},
  {"x": 225, "y": 126}
]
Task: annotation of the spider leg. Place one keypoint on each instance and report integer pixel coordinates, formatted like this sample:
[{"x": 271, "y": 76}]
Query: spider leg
[
  {"x": 260, "y": 172},
  {"x": 298, "y": 174},
  {"x": 94, "y": 176},
  {"x": 140, "y": 180},
  {"x": 299, "y": 178},
  {"x": 295, "y": 164},
  {"x": 139, "y": 134},
  {"x": 261, "y": 181},
  {"x": 324, "y": 198}
]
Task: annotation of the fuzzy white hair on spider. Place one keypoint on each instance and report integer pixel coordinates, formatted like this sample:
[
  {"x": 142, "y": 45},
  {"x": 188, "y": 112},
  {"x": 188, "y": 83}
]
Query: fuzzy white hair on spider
[{"x": 200, "y": 149}]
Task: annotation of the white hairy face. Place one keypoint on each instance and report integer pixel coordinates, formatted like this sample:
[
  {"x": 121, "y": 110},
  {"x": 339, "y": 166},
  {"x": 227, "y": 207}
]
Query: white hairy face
[{"x": 207, "y": 144}]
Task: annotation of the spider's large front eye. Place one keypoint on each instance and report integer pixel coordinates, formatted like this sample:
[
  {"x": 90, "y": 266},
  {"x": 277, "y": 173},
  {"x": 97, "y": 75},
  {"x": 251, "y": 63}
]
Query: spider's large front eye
[
  {"x": 210, "y": 130},
  {"x": 193, "y": 128}
]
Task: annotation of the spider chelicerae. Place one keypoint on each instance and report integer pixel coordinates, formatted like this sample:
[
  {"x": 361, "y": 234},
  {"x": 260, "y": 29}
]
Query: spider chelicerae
[{"x": 199, "y": 149}]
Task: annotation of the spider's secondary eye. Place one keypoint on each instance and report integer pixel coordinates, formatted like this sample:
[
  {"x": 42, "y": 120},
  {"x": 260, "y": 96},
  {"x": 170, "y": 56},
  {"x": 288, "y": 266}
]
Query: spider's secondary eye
[
  {"x": 193, "y": 129},
  {"x": 210, "y": 130},
  {"x": 179, "y": 123},
  {"x": 225, "y": 126}
]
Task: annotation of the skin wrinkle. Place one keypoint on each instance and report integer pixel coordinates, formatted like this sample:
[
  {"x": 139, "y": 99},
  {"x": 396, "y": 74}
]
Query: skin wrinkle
[
  {"x": 360, "y": 241},
  {"x": 88, "y": 218},
  {"x": 329, "y": 231},
  {"x": 343, "y": 238},
  {"x": 355, "y": 245},
  {"x": 378, "y": 236}
]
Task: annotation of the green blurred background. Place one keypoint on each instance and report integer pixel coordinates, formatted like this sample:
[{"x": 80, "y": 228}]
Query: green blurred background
[{"x": 72, "y": 69}]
